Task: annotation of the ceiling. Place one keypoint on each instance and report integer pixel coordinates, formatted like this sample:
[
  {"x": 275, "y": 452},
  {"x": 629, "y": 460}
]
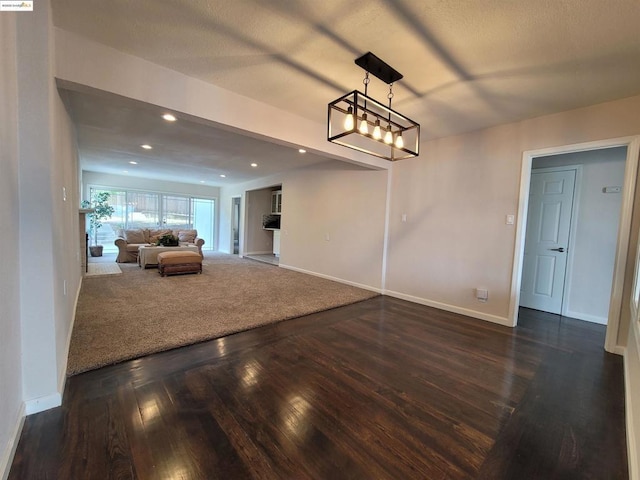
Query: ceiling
[
  {"x": 111, "y": 130},
  {"x": 467, "y": 64}
]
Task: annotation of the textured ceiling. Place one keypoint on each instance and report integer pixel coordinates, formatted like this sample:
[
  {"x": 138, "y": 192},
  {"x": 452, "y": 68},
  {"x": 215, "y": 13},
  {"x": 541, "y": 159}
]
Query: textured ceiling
[{"x": 467, "y": 64}]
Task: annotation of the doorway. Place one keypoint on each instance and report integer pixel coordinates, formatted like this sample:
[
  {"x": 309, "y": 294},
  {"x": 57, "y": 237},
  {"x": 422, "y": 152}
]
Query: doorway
[
  {"x": 622, "y": 237},
  {"x": 235, "y": 225}
]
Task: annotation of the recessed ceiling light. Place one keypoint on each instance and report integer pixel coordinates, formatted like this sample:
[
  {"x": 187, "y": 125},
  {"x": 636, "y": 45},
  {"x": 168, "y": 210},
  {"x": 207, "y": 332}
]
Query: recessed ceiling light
[
  {"x": 302, "y": 150},
  {"x": 254, "y": 165},
  {"x": 146, "y": 147},
  {"x": 169, "y": 118},
  {"x": 201, "y": 181},
  {"x": 125, "y": 171},
  {"x": 223, "y": 176},
  {"x": 133, "y": 163}
]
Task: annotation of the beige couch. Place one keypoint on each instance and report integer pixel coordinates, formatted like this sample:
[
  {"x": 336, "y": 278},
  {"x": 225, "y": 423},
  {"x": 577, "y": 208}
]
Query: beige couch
[{"x": 128, "y": 241}]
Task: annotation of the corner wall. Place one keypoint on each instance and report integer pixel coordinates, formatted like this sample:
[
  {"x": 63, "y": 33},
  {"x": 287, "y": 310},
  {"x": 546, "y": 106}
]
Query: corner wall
[
  {"x": 48, "y": 198},
  {"x": 11, "y": 406},
  {"x": 333, "y": 217},
  {"x": 456, "y": 196}
]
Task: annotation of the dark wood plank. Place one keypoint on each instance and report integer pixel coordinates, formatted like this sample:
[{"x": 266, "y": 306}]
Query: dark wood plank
[{"x": 379, "y": 389}]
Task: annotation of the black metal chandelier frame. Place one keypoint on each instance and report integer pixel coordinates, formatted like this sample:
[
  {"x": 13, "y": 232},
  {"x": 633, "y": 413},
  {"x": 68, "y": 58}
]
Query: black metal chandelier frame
[{"x": 357, "y": 120}]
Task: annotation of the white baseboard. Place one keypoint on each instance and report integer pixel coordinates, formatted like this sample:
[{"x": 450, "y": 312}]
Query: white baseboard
[
  {"x": 632, "y": 451},
  {"x": 335, "y": 279},
  {"x": 10, "y": 449},
  {"x": 451, "y": 308},
  {"x": 586, "y": 317},
  {"x": 41, "y": 404},
  {"x": 266, "y": 252}
]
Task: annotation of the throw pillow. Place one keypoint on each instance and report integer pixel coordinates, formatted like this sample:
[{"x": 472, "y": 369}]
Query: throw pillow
[
  {"x": 154, "y": 235},
  {"x": 134, "y": 236},
  {"x": 188, "y": 236}
]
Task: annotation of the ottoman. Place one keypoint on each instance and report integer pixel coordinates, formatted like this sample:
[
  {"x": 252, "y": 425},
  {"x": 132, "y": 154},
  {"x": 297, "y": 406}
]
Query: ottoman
[{"x": 171, "y": 263}]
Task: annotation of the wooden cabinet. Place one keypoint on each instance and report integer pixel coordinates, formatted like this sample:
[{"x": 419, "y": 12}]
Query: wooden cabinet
[{"x": 276, "y": 202}]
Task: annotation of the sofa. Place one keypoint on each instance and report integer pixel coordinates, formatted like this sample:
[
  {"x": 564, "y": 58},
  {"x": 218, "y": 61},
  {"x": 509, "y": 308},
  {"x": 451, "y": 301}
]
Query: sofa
[{"x": 128, "y": 241}]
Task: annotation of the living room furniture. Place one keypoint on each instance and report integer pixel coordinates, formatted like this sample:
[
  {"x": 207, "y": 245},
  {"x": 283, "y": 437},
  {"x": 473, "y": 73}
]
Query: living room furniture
[
  {"x": 173, "y": 263},
  {"x": 148, "y": 254},
  {"x": 129, "y": 241}
]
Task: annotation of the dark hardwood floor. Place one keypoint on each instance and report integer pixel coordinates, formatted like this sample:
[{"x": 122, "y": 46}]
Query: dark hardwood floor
[{"x": 382, "y": 389}]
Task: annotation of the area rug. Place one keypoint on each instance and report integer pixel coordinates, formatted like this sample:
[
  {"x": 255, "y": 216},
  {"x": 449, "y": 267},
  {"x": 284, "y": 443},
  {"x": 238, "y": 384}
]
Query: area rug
[
  {"x": 99, "y": 269},
  {"x": 137, "y": 313}
]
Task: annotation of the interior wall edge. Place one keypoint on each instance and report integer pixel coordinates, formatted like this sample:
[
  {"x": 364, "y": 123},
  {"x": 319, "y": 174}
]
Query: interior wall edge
[
  {"x": 631, "y": 385},
  {"x": 10, "y": 448}
]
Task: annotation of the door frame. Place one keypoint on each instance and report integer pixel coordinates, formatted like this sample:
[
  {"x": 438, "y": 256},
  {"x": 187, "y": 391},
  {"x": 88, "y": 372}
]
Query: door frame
[
  {"x": 240, "y": 229},
  {"x": 575, "y": 202},
  {"x": 624, "y": 228}
]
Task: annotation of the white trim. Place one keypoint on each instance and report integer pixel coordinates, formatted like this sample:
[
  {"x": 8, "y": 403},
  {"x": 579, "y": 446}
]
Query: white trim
[
  {"x": 452, "y": 308},
  {"x": 10, "y": 449},
  {"x": 631, "y": 166},
  {"x": 618, "y": 350},
  {"x": 41, "y": 404},
  {"x": 585, "y": 317},
  {"x": 632, "y": 450},
  {"x": 622, "y": 248},
  {"x": 387, "y": 217},
  {"x": 335, "y": 279}
]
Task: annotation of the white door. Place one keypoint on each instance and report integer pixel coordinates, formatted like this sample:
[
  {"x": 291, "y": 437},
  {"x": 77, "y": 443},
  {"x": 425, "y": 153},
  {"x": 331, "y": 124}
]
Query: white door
[{"x": 547, "y": 240}]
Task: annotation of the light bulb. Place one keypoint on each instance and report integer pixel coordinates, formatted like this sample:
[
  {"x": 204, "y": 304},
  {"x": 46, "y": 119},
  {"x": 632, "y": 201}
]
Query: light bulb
[
  {"x": 399, "y": 141},
  {"x": 364, "y": 125},
  {"x": 376, "y": 130},
  {"x": 388, "y": 137},
  {"x": 348, "y": 120}
]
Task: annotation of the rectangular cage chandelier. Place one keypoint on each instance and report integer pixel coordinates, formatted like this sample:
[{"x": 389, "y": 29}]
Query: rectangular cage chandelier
[{"x": 360, "y": 122}]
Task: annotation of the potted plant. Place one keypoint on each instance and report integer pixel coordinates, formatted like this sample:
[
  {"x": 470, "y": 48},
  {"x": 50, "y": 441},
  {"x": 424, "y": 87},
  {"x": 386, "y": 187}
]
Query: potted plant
[
  {"x": 101, "y": 211},
  {"x": 168, "y": 240}
]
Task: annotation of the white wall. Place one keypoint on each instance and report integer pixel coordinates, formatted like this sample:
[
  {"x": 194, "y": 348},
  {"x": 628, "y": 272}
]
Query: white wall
[
  {"x": 333, "y": 223},
  {"x": 588, "y": 284},
  {"x": 42, "y": 275},
  {"x": 11, "y": 407},
  {"x": 456, "y": 196},
  {"x": 38, "y": 280},
  {"x": 338, "y": 200}
]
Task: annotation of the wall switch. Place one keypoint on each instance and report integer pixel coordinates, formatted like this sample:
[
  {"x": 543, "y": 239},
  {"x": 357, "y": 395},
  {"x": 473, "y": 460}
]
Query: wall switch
[
  {"x": 510, "y": 219},
  {"x": 327, "y": 237},
  {"x": 64, "y": 287},
  {"x": 64, "y": 194},
  {"x": 404, "y": 217},
  {"x": 482, "y": 294},
  {"x": 611, "y": 189}
]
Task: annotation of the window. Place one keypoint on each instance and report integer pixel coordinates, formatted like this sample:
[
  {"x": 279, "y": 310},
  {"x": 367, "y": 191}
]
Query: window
[{"x": 135, "y": 209}]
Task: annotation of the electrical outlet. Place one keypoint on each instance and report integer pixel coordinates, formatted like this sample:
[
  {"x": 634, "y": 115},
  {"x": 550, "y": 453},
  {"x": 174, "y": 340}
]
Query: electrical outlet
[{"x": 482, "y": 294}]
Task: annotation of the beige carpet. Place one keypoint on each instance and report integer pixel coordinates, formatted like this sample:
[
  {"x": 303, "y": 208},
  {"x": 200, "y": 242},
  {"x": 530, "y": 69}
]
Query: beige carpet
[{"x": 130, "y": 315}]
